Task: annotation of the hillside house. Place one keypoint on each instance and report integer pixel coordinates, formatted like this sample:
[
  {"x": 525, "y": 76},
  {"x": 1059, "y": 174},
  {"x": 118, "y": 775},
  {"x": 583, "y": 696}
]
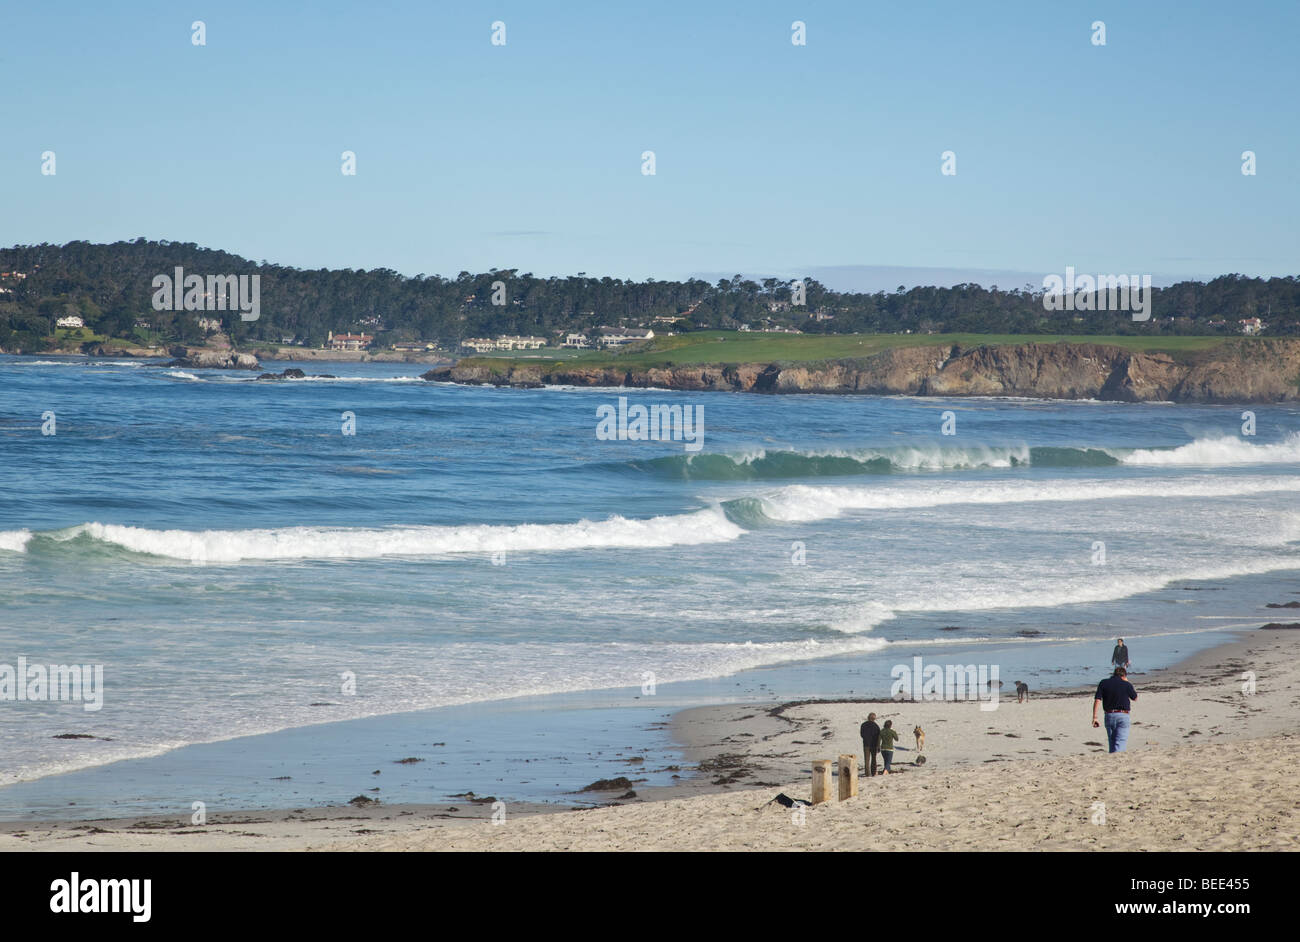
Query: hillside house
[{"x": 349, "y": 341}]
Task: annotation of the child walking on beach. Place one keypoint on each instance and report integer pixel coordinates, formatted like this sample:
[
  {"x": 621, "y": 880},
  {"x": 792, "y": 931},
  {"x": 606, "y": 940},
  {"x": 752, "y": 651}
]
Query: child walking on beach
[{"x": 888, "y": 736}]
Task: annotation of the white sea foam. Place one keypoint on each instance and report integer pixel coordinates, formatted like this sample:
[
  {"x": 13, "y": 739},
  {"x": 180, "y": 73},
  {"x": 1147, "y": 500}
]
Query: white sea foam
[
  {"x": 1219, "y": 452},
  {"x": 1225, "y": 451},
  {"x": 1097, "y": 584},
  {"x": 802, "y": 502},
  {"x": 901, "y": 457},
  {"x": 1090, "y": 585},
  {"x": 918, "y": 458},
  {"x": 861, "y": 618},
  {"x": 15, "y": 541},
  {"x": 78, "y": 361},
  {"x": 181, "y": 374},
  {"x": 934, "y": 457},
  {"x": 229, "y": 546}
]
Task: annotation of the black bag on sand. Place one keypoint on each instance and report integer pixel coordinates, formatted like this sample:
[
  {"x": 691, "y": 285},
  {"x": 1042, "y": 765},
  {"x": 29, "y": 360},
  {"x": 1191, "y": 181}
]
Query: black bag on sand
[{"x": 786, "y": 801}]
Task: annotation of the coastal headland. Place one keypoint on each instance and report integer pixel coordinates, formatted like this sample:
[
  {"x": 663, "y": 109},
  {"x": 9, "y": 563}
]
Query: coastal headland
[
  {"x": 1105, "y": 368},
  {"x": 1110, "y": 369}
]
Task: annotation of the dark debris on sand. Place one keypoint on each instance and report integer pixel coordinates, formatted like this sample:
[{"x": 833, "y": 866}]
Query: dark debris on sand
[{"x": 609, "y": 785}]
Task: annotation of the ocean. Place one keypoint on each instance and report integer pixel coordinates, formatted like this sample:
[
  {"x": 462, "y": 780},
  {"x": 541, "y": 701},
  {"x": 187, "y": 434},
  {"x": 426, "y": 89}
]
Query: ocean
[{"x": 245, "y": 558}]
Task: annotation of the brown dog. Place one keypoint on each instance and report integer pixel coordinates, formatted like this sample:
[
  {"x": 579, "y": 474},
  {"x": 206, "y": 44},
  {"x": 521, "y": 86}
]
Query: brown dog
[{"x": 920, "y": 739}]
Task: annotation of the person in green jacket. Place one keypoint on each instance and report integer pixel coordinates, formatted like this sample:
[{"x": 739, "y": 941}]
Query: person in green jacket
[{"x": 888, "y": 736}]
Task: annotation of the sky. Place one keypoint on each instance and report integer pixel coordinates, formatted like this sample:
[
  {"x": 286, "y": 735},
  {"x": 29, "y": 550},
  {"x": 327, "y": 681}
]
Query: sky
[{"x": 771, "y": 158}]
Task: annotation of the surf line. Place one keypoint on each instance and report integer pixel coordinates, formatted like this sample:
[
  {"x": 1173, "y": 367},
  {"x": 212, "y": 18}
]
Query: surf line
[{"x": 654, "y": 423}]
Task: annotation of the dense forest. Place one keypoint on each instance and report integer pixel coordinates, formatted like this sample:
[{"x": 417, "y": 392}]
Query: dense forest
[{"x": 110, "y": 287}]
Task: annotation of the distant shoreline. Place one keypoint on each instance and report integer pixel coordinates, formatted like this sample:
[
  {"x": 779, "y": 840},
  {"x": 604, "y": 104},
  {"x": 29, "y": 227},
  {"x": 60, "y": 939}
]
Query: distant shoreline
[
  {"x": 281, "y": 354},
  {"x": 1109, "y": 369},
  {"x": 1258, "y": 371},
  {"x": 753, "y": 749}
]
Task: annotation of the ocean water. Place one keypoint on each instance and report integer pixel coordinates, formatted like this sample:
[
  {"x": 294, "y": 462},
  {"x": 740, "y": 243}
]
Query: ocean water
[{"x": 240, "y": 566}]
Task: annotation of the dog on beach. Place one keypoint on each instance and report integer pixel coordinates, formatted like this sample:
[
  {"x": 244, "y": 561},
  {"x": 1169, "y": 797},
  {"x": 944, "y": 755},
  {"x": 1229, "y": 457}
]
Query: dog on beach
[
  {"x": 920, "y": 739},
  {"x": 1022, "y": 692}
]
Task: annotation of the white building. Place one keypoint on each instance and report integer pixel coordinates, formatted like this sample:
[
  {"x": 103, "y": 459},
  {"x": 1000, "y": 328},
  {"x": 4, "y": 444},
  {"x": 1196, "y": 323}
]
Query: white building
[
  {"x": 576, "y": 342},
  {"x": 1251, "y": 325},
  {"x": 618, "y": 336},
  {"x": 520, "y": 343},
  {"x": 70, "y": 321}
]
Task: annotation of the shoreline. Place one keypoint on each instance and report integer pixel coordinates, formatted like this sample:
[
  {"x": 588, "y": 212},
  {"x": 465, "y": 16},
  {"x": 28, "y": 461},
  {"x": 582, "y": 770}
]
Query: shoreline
[
  {"x": 748, "y": 752},
  {"x": 279, "y": 355},
  {"x": 1012, "y": 802},
  {"x": 1028, "y": 368},
  {"x": 1025, "y": 368},
  {"x": 559, "y": 741}
]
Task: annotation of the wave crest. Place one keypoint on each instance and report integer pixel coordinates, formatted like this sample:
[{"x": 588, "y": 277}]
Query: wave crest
[
  {"x": 763, "y": 464},
  {"x": 1224, "y": 451},
  {"x": 293, "y": 543}
]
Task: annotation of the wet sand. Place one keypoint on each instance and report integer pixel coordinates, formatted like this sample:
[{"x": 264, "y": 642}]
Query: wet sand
[{"x": 1210, "y": 767}]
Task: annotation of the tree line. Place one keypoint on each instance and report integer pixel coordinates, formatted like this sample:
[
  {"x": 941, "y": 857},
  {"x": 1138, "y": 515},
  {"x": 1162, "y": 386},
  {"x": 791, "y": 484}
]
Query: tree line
[{"x": 110, "y": 287}]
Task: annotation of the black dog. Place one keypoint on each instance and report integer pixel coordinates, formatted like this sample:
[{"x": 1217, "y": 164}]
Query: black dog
[{"x": 1022, "y": 692}]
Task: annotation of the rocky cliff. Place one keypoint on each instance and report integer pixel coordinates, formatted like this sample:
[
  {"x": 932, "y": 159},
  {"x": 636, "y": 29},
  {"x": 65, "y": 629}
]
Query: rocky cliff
[{"x": 1239, "y": 371}]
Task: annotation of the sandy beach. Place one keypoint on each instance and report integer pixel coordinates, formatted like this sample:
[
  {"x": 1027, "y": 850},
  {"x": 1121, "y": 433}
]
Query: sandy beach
[{"x": 1210, "y": 767}]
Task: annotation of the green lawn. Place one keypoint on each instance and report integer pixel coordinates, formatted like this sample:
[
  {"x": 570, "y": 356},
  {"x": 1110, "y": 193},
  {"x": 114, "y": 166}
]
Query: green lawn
[
  {"x": 722, "y": 347},
  {"x": 77, "y": 335}
]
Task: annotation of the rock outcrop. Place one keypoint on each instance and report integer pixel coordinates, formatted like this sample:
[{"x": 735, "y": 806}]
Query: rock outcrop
[
  {"x": 203, "y": 359},
  {"x": 1240, "y": 371},
  {"x": 105, "y": 350}
]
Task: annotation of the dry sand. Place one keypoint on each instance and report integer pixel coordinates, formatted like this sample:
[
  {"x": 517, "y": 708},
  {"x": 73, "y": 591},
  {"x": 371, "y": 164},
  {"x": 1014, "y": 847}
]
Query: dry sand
[{"x": 1210, "y": 767}]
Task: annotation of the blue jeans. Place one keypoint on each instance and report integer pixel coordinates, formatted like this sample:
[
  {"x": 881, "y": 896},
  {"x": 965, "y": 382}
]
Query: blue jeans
[
  {"x": 1117, "y": 726},
  {"x": 888, "y": 756}
]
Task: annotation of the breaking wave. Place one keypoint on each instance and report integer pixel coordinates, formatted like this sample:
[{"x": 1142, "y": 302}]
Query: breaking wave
[
  {"x": 764, "y": 464},
  {"x": 296, "y": 543},
  {"x": 802, "y": 503},
  {"x": 1219, "y": 453}
]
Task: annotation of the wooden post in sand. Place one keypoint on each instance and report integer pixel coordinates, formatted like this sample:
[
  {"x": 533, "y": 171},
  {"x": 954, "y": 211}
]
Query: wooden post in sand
[
  {"x": 821, "y": 783},
  {"x": 848, "y": 773}
]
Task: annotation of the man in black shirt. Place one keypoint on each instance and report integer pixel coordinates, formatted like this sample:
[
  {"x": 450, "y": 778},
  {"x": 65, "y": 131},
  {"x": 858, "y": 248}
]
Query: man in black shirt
[
  {"x": 870, "y": 743},
  {"x": 1114, "y": 695},
  {"x": 1119, "y": 657}
]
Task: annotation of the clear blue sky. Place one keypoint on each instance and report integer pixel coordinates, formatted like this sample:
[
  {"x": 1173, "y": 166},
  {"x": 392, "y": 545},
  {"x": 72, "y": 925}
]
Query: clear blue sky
[{"x": 771, "y": 158}]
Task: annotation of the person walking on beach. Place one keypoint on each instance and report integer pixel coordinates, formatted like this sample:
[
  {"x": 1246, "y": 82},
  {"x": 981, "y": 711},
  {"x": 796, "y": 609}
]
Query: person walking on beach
[
  {"x": 1119, "y": 657},
  {"x": 888, "y": 736},
  {"x": 870, "y": 744},
  {"x": 1113, "y": 695}
]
